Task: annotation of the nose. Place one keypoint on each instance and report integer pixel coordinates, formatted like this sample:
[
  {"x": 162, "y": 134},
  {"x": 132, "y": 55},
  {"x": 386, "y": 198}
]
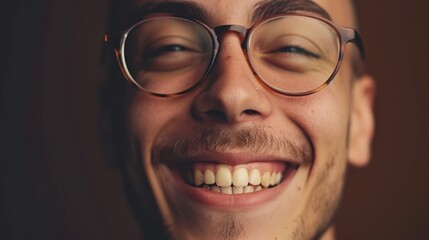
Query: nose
[{"x": 232, "y": 94}]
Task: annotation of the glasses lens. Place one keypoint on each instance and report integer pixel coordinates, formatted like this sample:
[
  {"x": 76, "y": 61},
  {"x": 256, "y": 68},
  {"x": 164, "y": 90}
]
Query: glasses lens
[
  {"x": 294, "y": 54},
  {"x": 167, "y": 55}
]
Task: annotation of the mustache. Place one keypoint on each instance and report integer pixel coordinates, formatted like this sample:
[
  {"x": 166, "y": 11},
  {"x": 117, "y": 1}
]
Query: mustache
[{"x": 255, "y": 138}]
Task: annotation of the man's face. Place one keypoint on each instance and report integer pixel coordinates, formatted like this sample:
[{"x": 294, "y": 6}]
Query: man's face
[{"x": 232, "y": 129}]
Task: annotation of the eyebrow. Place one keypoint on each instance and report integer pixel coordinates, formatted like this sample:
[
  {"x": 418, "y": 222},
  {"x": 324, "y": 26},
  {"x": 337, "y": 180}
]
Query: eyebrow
[
  {"x": 189, "y": 10},
  {"x": 261, "y": 10},
  {"x": 269, "y": 8}
]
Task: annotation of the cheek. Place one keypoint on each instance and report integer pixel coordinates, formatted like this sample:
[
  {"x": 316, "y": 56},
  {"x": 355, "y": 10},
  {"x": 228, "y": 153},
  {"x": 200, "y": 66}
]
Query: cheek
[
  {"x": 327, "y": 119},
  {"x": 142, "y": 117},
  {"x": 152, "y": 116},
  {"x": 328, "y": 124},
  {"x": 334, "y": 106},
  {"x": 323, "y": 116}
]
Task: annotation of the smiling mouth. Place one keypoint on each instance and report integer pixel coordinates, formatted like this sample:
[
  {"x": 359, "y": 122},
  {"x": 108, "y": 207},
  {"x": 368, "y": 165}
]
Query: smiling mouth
[{"x": 238, "y": 179}]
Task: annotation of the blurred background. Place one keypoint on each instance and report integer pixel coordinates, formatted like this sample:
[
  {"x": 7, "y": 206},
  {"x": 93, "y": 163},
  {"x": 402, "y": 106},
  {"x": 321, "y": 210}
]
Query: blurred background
[{"x": 55, "y": 183}]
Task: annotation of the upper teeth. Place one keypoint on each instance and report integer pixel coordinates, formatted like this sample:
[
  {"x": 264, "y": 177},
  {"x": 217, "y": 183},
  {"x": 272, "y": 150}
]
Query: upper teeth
[{"x": 239, "y": 181}]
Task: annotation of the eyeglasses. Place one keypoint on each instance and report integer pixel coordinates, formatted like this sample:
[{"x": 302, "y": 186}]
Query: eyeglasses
[{"x": 294, "y": 54}]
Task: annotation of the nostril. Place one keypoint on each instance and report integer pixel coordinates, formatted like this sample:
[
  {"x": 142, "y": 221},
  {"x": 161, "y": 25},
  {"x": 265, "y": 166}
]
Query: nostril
[
  {"x": 250, "y": 112},
  {"x": 216, "y": 115}
]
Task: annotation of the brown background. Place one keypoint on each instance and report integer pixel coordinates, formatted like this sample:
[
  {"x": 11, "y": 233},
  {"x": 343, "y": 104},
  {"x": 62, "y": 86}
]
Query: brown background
[{"x": 56, "y": 185}]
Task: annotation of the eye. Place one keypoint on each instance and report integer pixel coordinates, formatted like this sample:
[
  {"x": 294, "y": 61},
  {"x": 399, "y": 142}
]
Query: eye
[
  {"x": 167, "y": 49},
  {"x": 169, "y": 55},
  {"x": 297, "y": 50},
  {"x": 290, "y": 56}
]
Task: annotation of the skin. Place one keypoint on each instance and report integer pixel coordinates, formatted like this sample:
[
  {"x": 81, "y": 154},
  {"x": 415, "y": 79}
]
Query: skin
[{"x": 336, "y": 124}]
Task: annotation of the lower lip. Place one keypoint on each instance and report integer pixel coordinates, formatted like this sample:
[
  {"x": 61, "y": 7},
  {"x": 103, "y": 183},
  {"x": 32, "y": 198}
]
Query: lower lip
[{"x": 233, "y": 201}]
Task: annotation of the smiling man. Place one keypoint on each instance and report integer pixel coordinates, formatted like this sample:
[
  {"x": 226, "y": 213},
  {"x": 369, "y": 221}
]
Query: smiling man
[{"x": 245, "y": 114}]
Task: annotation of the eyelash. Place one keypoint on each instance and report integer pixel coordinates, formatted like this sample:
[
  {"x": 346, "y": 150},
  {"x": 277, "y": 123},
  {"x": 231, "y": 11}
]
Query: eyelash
[
  {"x": 297, "y": 50},
  {"x": 167, "y": 49}
]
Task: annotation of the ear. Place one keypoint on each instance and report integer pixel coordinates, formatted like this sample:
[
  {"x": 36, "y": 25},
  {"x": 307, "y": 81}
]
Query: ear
[{"x": 361, "y": 121}]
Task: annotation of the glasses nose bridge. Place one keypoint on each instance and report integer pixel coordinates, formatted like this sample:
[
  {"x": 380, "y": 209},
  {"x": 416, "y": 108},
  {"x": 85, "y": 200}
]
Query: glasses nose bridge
[{"x": 240, "y": 30}]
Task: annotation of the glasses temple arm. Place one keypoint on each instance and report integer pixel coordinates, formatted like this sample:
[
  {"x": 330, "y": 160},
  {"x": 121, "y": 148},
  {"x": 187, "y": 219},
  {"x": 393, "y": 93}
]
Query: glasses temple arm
[{"x": 359, "y": 43}]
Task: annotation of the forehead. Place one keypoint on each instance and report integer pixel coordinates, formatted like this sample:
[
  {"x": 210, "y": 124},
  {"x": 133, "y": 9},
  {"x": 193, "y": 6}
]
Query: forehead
[{"x": 244, "y": 12}]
